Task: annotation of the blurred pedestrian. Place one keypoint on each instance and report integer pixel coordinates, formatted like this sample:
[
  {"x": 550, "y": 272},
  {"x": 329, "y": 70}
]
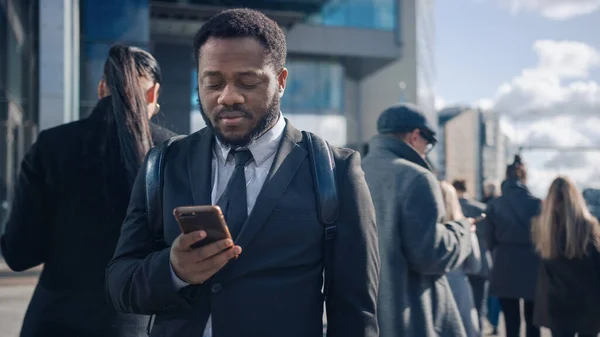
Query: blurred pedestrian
[
  {"x": 417, "y": 247},
  {"x": 567, "y": 237},
  {"x": 490, "y": 192},
  {"x": 459, "y": 283},
  {"x": 508, "y": 234},
  {"x": 479, "y": 280},
  {"x": 71, "y": 199}
]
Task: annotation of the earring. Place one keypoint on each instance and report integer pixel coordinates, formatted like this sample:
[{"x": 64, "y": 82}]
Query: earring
[{"x": 157, "y": 110}]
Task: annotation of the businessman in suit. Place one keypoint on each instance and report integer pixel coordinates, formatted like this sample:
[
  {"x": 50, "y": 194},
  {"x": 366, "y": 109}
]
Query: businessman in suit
[{"x": 254, "y": 164}]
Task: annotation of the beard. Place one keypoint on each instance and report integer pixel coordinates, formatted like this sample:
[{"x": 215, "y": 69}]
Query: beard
[{"x": 262, "y": 126}]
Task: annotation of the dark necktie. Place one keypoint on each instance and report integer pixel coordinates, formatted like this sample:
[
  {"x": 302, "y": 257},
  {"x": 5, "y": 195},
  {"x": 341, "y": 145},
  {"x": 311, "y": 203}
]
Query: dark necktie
[{"x": 233, "y": 201}]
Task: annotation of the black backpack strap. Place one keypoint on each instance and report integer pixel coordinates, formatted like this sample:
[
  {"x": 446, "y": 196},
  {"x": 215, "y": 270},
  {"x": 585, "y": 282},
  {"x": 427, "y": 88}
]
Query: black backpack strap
[
  {"x": 324, "y": 179},
  {"x": 154, "y": 181}
]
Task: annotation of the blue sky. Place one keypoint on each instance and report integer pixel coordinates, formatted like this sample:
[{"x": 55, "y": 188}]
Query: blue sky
[
  {"x": 480, "y": 44},
  {"x": 537, "y": 64}
]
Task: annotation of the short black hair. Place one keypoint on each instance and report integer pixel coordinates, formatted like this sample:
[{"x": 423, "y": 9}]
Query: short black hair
[
  {"x": 243, "y": 22},
  {"x": 460, "y": 185}
]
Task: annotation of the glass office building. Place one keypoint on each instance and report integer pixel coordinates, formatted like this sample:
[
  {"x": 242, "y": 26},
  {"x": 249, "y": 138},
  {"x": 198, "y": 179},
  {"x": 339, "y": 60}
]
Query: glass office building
[
  {"x": 342, "y": 56},
  {"x": 102, "y": 24},
  {"x": 18, "y": 90},
  {"x": 369, "y": 14},
  {"x": 425, "y": 56}
]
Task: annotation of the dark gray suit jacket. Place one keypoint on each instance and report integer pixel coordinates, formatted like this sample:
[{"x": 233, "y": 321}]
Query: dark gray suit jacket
[{"x": 274, "y": 287}]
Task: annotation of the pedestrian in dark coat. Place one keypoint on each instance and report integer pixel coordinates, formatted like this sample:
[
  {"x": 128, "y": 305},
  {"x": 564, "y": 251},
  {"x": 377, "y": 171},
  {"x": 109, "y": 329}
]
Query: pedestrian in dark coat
[
  {"x": 567, "y": 237},
  {"x": 508, "y": 234},
  {"x": 71, "y": 200},
  {"x": 492, "y": 305},
  {"x": 416, "y": 247}
]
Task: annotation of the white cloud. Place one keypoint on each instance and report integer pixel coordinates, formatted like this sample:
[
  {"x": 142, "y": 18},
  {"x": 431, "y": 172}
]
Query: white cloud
[
  {"x": 440, "y": 103},
  {"x": 554, "y": 104},
  {"x": 544, "y": 167},
  {"x": 544, "y": 90},
  {"x": 553, "y": 9},
  {"x": 559, "y": 131},
  {"x": 566, "y": 58},
  {"x": 484, "y": 104},
  {"x": 567, "y": 160}
]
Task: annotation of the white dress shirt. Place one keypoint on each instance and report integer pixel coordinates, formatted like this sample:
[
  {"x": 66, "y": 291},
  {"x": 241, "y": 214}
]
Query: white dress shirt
[{"x": 263, "y": 152}]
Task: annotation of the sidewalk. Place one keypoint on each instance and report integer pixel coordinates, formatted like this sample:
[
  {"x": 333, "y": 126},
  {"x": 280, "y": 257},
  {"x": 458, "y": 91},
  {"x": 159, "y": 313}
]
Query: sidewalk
[
  {"x": 6, "y": 272},
  {"x": 15, "y": 292}
]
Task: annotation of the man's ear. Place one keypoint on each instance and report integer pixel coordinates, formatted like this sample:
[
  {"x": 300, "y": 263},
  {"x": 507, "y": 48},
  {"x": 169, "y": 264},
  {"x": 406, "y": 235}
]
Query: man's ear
[
  {"x": 282, "y": 81},
  {"x": 415, "y": 135}
]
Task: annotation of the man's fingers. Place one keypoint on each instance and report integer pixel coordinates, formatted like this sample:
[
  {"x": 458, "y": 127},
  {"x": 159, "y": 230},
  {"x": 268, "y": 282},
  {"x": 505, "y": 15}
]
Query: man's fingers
[
  {"x": 212, "y": 249},
  {"x": 200, "y": 271},
  {"x": 184, "y": 241},
  {"x": 218, "y": 261}
]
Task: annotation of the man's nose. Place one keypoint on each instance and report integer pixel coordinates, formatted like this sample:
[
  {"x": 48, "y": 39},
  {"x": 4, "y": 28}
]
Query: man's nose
[{"x": 230, "y": 96}]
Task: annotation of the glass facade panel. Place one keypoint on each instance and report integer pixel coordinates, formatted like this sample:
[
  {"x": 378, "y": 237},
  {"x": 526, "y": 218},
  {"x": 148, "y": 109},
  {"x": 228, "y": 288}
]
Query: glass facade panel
[
  {"x": 18, "y": 90},
  {"x": 425, "y": 60},
  {"x": 314, "y": 87},
  {"x": 129, "y": 20},
  {"x": 371, "y": 14},
  {"x": 129, "y": 24}
]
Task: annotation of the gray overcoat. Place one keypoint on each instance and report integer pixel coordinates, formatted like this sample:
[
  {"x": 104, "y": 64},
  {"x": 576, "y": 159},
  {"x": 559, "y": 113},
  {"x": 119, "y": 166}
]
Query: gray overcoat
[{"x": 416, "y": 248}]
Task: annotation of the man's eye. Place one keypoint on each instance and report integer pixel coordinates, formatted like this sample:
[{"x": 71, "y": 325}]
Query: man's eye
[{"x": 250, "y": 85}]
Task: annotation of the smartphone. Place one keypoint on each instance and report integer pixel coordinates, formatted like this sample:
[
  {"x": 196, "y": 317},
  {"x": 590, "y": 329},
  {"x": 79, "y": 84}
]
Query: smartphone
[
  {"x": 207, "y": 218},
  {"x": 480, "y": 218}
]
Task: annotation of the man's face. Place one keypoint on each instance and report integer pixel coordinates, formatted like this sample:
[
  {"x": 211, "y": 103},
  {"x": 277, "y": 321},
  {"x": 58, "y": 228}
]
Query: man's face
[
  {"x": 418, "y": 142},
  {"x": 239, "y": 89}
]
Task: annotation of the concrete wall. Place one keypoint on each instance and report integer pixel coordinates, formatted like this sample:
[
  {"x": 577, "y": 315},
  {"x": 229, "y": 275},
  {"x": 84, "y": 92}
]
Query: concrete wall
[
  {"x": 352, "y": 112},
  {"x": 381, "y": 89},
  {"x": 176, "y": 62},
  {"x": 59, "y": 62},
  {"x": 463, "y": 149}
]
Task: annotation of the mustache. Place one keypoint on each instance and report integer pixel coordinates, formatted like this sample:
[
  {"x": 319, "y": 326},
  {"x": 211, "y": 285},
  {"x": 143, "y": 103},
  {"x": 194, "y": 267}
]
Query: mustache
[{"x": 234, "y": 110}]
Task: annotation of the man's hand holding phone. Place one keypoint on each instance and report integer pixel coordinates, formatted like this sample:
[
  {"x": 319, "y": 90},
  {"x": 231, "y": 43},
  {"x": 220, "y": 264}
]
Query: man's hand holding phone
[{"x": 196, "y": 265}]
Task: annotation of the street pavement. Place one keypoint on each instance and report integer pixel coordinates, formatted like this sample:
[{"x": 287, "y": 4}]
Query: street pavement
[{"x": 16, "y": 290}]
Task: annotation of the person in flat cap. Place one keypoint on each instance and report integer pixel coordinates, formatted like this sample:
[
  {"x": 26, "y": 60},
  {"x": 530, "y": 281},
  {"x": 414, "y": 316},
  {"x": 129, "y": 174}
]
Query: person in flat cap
[{"x": 417, "y": 247}]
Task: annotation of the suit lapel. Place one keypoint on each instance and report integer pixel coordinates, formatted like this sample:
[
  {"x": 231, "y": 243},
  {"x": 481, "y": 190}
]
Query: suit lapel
[
  {"x": 200, "y": 167},
  {"x": 287, "y": 161}
]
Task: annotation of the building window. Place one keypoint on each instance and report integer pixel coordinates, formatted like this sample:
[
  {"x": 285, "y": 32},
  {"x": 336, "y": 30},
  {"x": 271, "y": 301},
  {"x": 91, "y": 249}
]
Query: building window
[
  {"x": 129, "y": 24},
  {"x": 18, "y": 91},
  {"x": 314, "y": 87},
  {"x": 371, "y": 14}
]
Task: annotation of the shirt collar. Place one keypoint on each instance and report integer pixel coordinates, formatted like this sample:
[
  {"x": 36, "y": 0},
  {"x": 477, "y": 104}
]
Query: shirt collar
[{"x": 262, "y": 148}]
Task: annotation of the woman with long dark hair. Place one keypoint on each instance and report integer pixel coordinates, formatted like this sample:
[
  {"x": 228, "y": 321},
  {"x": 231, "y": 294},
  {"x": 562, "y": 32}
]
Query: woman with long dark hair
[
  {"x": 567, "y": 237},
  {"x": 514, "y": 274},
  {"x": 72, "y": 197}
]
